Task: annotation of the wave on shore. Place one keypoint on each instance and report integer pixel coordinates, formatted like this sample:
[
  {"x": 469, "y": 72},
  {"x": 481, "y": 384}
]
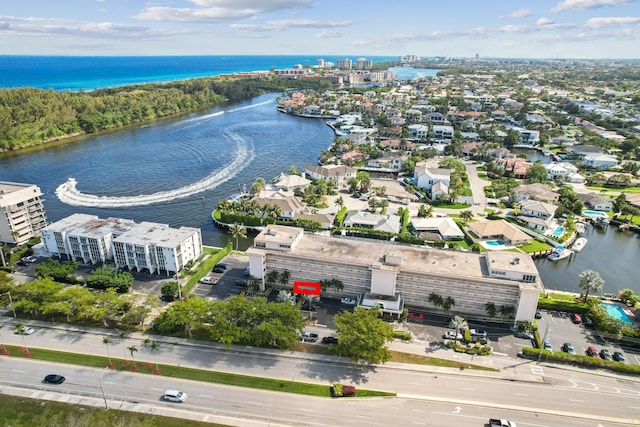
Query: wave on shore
[{"x": 69, "y": 194}]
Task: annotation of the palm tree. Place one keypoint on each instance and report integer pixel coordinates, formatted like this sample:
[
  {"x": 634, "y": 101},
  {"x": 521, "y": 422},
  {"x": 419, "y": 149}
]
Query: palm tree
[
  {"x": 339, "y": 202},
  {"x": 448, "y": 303},
  {"x": 466, "y": 215},
  {"x": 154, "y": 348},
  {"x": 258, "y": 185},
  {"x": 132, "y": 350},
  {"x": 458, "y": 323},
  {"x": 423, "y": 211},
  {"x": 106, "y": 341},
  {"x": 146, "y": 343},
  {"x": 491, "y": 309},
  {"x": 435, "y": 299},
  {"x": 590, "y": 281},
  {"x": 507, "y": 310},
  {"x": 122, "y": 336},
  {"x": 284, "y": 277},
  {"x": 237, "y": 231}
]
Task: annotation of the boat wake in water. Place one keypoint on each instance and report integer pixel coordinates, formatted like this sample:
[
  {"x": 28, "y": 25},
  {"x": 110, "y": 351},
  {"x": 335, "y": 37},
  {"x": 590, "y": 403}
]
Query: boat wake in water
[{"x": 69, "y": 194}]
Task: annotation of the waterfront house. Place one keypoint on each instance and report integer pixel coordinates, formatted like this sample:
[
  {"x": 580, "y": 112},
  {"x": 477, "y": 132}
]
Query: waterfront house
[
  {"x": 418, "y": 131},
  {"x": 499, "y": 229},
  {"x": 534, "y": 208},
  {"x": 563, "y": 171},
  {"x": 442, "y": 133},
  {"x": 290, "y": 182},
  {"x": 387, "y": 163},
  {"x": 595, "y": 202},
  {"x": 339, "y": 174},
  {"x": 290, "y": 206},
  {"x": 599, "y": 161}
]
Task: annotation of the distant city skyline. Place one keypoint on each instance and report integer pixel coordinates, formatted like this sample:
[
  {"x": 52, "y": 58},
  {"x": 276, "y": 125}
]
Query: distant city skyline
[{"x": 466, "y": 28}]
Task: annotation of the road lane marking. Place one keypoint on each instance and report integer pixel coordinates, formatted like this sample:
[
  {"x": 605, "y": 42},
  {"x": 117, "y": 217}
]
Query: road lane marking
[
  {"x": 417, "y": 410},
  {"x": 500, "y": 354},
  {"x": 521, "y": 394},
  {"x": 362, "y": 416},
  {"x": 537, "y": 370},
  {"x": 255, "y": 403},
  {"x": 207, "y": 396},
  {"x": 467, "y": 388},
  {"x": 17, "y": 370},
  {"x": 633, "y": 407},
  {"x": 576, "y": 400},
  {"x": 415, "y": 383}
]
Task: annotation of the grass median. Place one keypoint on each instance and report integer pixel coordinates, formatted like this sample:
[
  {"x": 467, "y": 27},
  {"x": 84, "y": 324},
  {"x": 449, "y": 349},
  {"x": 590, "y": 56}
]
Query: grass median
[{"x": 182, "y": 372}]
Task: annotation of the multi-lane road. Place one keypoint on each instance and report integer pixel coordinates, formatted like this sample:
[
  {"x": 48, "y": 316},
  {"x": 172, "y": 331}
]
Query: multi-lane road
[{"x": 547, "y": 396}]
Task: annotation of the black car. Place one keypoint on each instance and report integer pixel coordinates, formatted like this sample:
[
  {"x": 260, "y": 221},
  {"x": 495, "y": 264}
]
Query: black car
[
  {"x": 619, "y": 357},
  {"x": 221, "y": 265},
  {"x": 538, "y": 314},
  {"x": 54, "y": 379},
  {"x": 604, "y": 354},
  {"x": 217, "y": 269},
  {"x": 329, "y": 340},
  {"x": 568, "y": 348}
]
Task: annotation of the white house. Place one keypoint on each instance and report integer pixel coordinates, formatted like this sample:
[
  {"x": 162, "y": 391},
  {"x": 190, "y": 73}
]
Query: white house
[
  {"x": 599, "y": 161},
  {"x": 418, "y": 131},
  {"x": 595, "y": 202},
  {"x": 365, "y": 219},
  {"x": 425, "y": 177},
  {"x": 445, "y": 227},
  {"x": 537, "y": 209},
  {"x": 442, "y": 132},
  {"x": 561, "y": 171},
  {"x": 339, "y": 174},
  {"x": 388, "y": 163}
]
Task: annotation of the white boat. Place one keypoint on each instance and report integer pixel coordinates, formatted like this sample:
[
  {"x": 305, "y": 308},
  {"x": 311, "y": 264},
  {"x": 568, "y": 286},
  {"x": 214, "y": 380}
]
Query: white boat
[
  {"x": 580, "y": 228},
  {"x": 579, "y": 244},
  {"x": 559, "y": 253}
]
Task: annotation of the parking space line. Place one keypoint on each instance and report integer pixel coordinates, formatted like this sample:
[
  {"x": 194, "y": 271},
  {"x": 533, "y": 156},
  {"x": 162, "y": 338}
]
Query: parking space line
[{"x": 537, "y": 370}]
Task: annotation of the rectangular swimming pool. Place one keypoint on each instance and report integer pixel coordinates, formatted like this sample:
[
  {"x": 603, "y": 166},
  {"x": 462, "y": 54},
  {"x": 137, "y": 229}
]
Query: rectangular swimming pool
[
  {"x": 595, "y": 213},
  {"x": 617, "y": 312}
]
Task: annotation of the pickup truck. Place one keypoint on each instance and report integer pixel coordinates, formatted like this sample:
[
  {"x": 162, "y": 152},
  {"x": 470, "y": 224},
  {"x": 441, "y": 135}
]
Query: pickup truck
[{"x": 495, "y": 422}]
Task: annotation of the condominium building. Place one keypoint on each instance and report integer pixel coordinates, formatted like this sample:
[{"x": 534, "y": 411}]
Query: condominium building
[
  {"x": 394, "y": 276},
  {"x": 155, "y": 247},
  {"x": 22, "y": 214}
]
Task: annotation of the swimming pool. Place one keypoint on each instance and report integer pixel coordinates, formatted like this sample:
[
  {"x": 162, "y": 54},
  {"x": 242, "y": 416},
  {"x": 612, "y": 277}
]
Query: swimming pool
[
  {"x": 617, "y": 312},
  {"x": 494, "y": 243},
  {"x": 595, "y": 213},
  {"x": 558, "y": 232}
]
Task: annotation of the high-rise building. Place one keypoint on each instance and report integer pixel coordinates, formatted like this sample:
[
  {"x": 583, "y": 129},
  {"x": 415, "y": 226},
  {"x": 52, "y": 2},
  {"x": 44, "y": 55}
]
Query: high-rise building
[
  {"x": 364, "y": 64},
  {"x": 344, "y": 64},
  {"x": 22, "y": 214},
  {"x": 320, "y": 63}
]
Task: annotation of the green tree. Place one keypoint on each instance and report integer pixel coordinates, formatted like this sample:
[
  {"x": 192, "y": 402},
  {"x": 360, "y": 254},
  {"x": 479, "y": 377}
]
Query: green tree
[
  {"x": 491, "y": 309},
  {"x": 133, "y": 349},
  {"x": 362, "y": 335},
  {"x": 238, "y": 231},
  {"x": 435, "y": 299},
  {"x": 258, "y": 185},
  {"x": 590, "y": 281},
  {"x": 507, "y": 310},
  {"x": 459, "y": 324},
  {"x": 537, "y": 173},
  {"x": 285, "y": 275},
  {"x": 184, "y": 316},
  {"x": 271, "y": 278},
  {"x": 466, "y": 215},
  {"x": 169, "y": 291},
  {"x": 448, "y": 304}
]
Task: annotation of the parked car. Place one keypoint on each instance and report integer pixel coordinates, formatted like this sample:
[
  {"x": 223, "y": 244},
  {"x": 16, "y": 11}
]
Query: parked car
[
  {"x": 309, "y": 337},
  {"x": 586, "y": 320},
  {"x": 524, "y": 334},
  {"x": 240, "y": 283},
  {"x": 619, "y": 357},
  {"x": 568, "y": 348},
  {"x": 54, "y": 379},
  {"x": 209, "y": 280},
  {"x": 478, "y": 333},
  {"x": 593, "y": 352},
  {"x": 221, "y": 265},
  {"x": 575, "y": 318},
  {"x": 547, "y": 345},
  {"x": 348, "y": 301},
  {"x": 217, "y": 269},
  {"x": 538, "y": 314},
  {"x": 451, "y": 335},
  {"x": 22, "y": 263},
  {"x": 329, "y": 340},
  {"x": 174, "y": 396},
  {"x": 604, "y": 354},
  {"x": 25, "y": 330}
]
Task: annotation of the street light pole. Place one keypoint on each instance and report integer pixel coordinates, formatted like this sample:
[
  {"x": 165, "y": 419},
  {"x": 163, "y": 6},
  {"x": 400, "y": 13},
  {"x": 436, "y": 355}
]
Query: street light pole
[
  {"x": 11, "y": 303},
  {"x": 104, "y": 396},
  {"x": 546, "y": 331}
]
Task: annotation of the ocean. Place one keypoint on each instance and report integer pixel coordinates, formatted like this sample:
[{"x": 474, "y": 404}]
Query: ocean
[{"x": 75, "y": 73}]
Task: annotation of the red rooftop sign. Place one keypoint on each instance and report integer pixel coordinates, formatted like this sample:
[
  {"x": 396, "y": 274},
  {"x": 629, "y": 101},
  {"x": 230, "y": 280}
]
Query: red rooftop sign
[{"x": 306, "y": 288}]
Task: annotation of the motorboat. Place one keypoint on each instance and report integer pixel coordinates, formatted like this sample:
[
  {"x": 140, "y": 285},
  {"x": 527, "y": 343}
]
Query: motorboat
[
  {"x": 560, "y": 252},
  {"x": 579, "y": 244},
  {"x": 580, "y": 228}
]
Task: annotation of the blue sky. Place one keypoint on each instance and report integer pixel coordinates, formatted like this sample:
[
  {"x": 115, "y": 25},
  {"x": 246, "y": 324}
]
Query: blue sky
[{"x": 462, "y": 28}]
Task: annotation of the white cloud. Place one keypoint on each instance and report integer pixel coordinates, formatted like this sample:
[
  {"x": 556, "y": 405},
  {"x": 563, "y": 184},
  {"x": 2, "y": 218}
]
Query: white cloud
[
  {"x": 218, "y": 10},
  {"x": 521, "y": 13},
  {"x": 565, "y": 5},
  {"x": 291, "y": 23},
  {"x": 611, "y": 21},
  {"x": 330, "y": 34},
  {"x": 545, "y": 21}
]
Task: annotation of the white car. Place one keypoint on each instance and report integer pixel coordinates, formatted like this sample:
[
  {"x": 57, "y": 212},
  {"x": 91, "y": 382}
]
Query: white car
[
  {"x": 27, "y": 330},
  {"x": 175, "y": 396},
  {"x": 348, "y": 301},
  {"x": 451, "y": 335},
  {"x": 209, "y": 280}
]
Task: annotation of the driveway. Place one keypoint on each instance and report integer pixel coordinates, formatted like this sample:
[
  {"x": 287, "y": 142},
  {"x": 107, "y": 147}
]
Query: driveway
[{"x": 477, "y": 188}]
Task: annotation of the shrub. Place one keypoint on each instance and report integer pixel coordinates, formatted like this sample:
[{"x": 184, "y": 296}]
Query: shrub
[
  {"x": 402, "y": 335},
  {"x": 340, "y": 390}
]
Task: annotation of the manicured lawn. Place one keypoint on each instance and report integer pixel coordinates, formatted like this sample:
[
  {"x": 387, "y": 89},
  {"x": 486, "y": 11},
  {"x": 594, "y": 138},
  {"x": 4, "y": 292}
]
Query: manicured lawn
[
  {"x": 453, "y": 206},
  {"x": 417, "y": 359},
  {"x": 23, "y": 412},
  {"x": 534, "y": 246},
  {"x": 610, "y": 191},
  {"x": 559, "y": 297},
  {"x": 189, "y": 373}
]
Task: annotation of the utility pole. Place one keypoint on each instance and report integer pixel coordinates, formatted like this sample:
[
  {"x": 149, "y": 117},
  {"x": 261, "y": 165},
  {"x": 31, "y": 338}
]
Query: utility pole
[
  {"x": 546, "y": 331},
  {"x": 104, "y": 396}
]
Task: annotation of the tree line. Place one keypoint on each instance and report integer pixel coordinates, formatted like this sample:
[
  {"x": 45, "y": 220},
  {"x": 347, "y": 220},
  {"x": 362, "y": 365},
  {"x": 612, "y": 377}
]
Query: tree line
[{"x": 30, "y": 116}]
